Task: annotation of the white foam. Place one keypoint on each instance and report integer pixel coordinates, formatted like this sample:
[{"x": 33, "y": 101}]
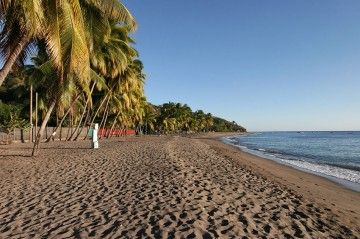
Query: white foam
[
  {"x": 347, "y": 174},
  {"x": 347, "y": 177}
]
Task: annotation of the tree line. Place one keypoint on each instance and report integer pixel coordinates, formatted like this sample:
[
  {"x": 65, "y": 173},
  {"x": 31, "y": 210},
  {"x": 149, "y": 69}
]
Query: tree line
[{"x": 173, "y": 117}]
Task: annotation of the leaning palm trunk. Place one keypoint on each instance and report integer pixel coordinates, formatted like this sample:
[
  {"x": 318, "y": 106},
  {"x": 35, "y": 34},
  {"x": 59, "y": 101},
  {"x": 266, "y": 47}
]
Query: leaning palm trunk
[
  {"x": 111, "y": 129},
  {"x": 52, "y": 136},
  {"x": 60, "y": 134},
  {"x": 63, "y": 119},
  {"x": 43, "y": 125},
  {"x": 69, "y": 128},
  {"x": 97, "y": 110},
  {"x": 104, "y": 115},
  {"x": 80, "y": 121},
  {"x": 105, "y": 111},
  {"x": 82, "y": 128},
  {"x": 101, "y": 103},
  {"x": 105, "y": 120},
  {"x": 12, "y": 59},
  {"x": 113, "y": 125},
  {"x": 83, "y": 113}
]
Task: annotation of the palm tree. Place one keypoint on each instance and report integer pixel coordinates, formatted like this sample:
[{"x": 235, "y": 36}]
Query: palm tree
[
  {"x": 68, "y": 27},
  {"x": 96, "y": 37},
  {"x": 73, "y": 43},
  {"x": 149, "y": 119},
  {"x": 126, "y": 99},
  {"x": 116, "y": 60}
]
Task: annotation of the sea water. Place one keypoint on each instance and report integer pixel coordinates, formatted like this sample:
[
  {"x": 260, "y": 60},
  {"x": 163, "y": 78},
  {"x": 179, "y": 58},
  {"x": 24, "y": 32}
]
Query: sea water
[{"x": 335, "y": 155}]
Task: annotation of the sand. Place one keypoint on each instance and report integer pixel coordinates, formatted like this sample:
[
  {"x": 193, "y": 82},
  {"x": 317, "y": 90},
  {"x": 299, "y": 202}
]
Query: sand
[{"x": 165, "y": 187}]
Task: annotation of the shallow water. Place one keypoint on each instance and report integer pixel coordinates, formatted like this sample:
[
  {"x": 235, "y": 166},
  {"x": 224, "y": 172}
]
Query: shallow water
[{"x": 335, "y": 155}]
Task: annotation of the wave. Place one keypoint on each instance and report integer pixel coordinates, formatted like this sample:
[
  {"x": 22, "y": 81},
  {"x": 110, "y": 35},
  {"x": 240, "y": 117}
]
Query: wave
[
  {"x": 305, "y": 158},
  {"x": 329, "y": 170},
  {"x": 346, "y": 172}
]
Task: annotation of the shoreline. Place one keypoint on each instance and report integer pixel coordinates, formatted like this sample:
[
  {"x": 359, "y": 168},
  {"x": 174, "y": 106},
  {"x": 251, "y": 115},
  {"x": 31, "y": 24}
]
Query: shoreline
[
  {"x": 165, "y": 187},
  {"x": 314, "y": 187},
  {"x": 339, "y": 181}
]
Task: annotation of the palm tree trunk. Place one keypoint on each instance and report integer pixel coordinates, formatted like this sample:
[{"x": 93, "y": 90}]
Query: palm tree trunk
[
  {"x": 83, "y": 125},
  {"x": 106, "y": 117},
  {"x": 69, "y": 126},
  {"x": 88, "y": 116},
  {"x": 63, "y": 119},
  {"x": 98, "y": 109},
  {"x": 12, "y": 59},
  {"x": 79, "y": 123},
  {"x": 83, "y": 113},
  {"x": 52, "y": 136},
  {"x": 113, "y": 125},
  {"x": 43, "y": 125},
  {"x": 60, "y": 134},
  {"x": 102, "y": 102},
  {"x": 103, "y": 121},
  {"x": 111, "y": 129},
  {"x": 106, "y": 108}
]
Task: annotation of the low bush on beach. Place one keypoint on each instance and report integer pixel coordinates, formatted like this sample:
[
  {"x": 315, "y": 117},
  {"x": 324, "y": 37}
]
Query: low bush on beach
[{"x": 10, "y": 118}]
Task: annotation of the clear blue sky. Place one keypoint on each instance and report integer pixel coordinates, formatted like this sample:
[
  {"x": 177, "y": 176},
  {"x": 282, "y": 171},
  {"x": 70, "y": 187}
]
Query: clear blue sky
[{"x": 269, "y": 65}]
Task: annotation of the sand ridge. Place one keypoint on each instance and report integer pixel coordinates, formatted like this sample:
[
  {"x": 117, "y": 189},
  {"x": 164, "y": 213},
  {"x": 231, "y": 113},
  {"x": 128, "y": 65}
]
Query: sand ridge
[{"x": 150, "y": 187}]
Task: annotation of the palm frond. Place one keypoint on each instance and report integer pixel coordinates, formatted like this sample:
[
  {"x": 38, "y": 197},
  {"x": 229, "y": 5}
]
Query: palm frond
[
  {"x": 53, "y": 24},
  {"x": 116, "y": 11},
  {"x": 100, "y": 81},
  {"x": 33, "y": 16},
  {"x": 75, "y": 51}
]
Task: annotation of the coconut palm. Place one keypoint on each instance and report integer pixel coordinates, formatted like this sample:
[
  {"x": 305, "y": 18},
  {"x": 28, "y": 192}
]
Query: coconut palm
[
  {"x": 126, "y": 100},
  {"x": 115, "y": 59},
  {"x": 149, "y": 119},
  {"x": 69, "y": 45},
  {"x": 69, "y": 28}
]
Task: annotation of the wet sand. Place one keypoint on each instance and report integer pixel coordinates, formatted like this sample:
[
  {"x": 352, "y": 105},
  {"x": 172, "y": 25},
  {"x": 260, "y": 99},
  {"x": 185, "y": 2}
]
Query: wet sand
[{"x": 165, "y": 187}]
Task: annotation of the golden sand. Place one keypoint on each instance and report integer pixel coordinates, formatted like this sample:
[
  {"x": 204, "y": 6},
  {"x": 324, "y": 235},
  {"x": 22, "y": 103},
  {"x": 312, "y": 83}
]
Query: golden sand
[{"x": 165, "y": 187}]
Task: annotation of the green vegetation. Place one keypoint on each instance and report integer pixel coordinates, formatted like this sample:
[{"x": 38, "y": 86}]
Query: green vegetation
[
  {"x": 84, "y": 69},
  {"x": 10, "y": 118},
  {"x": 177, "y": 118},
  {"x": 222, "y": 125}
]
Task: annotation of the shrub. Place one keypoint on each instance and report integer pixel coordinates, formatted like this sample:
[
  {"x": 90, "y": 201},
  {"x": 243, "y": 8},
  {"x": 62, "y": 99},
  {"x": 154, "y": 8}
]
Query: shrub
[{"x": 10, "y": 118}]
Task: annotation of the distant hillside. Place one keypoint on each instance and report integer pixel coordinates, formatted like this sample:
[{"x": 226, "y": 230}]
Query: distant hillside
[
  {"x": 222, "y": 125},
  {"x": 176, "y": 117}
]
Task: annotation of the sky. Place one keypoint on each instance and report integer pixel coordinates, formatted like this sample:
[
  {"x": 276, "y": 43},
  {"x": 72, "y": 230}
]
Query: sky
[{"x": 268, "y": 65}]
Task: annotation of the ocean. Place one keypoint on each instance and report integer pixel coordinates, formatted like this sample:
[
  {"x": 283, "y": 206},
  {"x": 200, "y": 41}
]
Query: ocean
[{"x": 334, "y": 155}]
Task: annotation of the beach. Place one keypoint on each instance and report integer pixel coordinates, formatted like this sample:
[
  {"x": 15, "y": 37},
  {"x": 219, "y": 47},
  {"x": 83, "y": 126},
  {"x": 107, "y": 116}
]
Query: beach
[{"x": 165, "y": 187}]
